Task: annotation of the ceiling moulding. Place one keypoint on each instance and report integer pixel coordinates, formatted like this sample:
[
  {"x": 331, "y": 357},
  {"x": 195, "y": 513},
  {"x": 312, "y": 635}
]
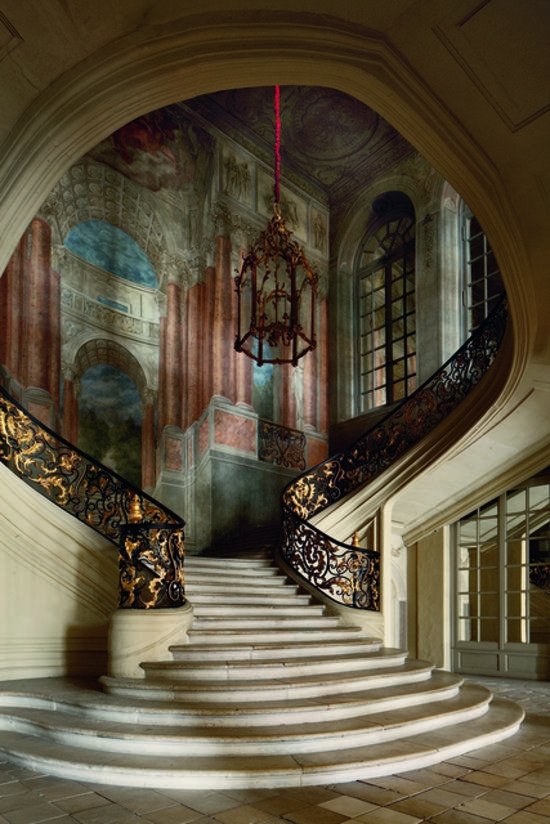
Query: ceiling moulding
[
  {"x": 9, "y": 37},
  {"x": 502, "y": 45}
]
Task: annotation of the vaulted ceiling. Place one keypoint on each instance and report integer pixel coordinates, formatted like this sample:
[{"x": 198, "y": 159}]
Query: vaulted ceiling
[{"x": 328, "y": 138}]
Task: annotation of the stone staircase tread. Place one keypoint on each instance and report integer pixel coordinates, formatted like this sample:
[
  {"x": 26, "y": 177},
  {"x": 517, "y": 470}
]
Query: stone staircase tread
[
  {"x": 216, "y": 610},
  {"x": 257, "y": 637},
  {"x": 332, "y": 646},
  {"x": 267, "y": 622},
  {"x": 246, "y": 598},
  {"x": 247, "y": 690},
  {"x": 284, "y": 665},
  {"x": 173, "y": 739},
  {"x": 194, "y": 772},
  {"x": 84, "y": 697}
]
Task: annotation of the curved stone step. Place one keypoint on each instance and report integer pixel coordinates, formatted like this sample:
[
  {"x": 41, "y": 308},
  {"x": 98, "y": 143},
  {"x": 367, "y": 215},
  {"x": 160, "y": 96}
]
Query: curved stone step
[
  {"x": 216, "y": 772},
  {"x": 214, "y": 636},
  {"x": 210, "y": 562},
  {"x": 262, "y": 651},
  {"x": 88, "y": 701},
  {"x": 111, "y": 736},
  {"x": 277, "y": 620},
  {"x": 207, "y": 596},
  {"x": 240, "y": 692},
  {"x": 183, "y": 669},
  {"x": 258, "y": 610}
]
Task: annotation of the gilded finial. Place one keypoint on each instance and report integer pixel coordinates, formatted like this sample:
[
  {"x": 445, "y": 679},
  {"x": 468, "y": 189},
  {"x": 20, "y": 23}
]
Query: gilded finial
[
  {"x": 355, "y": 539},
  {"x": 135, "y": 515}
]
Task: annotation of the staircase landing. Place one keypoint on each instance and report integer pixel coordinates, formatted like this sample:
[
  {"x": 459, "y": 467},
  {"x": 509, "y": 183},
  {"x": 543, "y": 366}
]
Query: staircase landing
[{"x": 269, "y": 692}]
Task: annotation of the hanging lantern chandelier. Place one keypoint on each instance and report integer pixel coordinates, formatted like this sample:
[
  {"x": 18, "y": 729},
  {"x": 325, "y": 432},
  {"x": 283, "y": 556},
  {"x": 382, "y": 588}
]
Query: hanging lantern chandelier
[{"x": 276, "y": 287}]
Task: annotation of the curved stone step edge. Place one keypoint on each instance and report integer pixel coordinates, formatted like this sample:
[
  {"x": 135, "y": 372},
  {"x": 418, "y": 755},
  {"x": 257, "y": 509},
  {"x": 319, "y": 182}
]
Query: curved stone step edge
[
  {"x": 265, "y": 771},
  {"x": 266, "y": 651},
  {"x": 233, "y": 599},
  {"x": 472, "y": 702},
  {"x": 259, "y": 610},
  {"x": 255, "y": 637},
  {"x": 90, "y": 703},
  {"x": 242, "y": 621},
  {"x": 238, "y": 692},
  {"x": 194, "y": 561},
  {"x": 283, "y": 668}
]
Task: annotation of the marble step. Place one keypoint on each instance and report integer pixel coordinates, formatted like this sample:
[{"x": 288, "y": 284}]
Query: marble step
[
  {"x": 243, "y": 571},
  {"x": 210, "y": 562},
  {"x": 262, "y": 650},
  {"x": 230, "y": 580},
  {"x": 184, "y": 669},
  {"x": 207, "y": 595},
  {"x": 240, "y": 620},
  {"x": 216, "y": 609},
  {"x": 239, "y": 692},
  {"x": 298, "y": 769},
  {"x": 213, "y": 635},
  {"x": 110, "y": 736},
  {"x": 88, "y": 701}
]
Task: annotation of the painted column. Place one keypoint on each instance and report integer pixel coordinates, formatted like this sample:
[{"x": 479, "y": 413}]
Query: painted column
[
  {"x": 55, "y": 339},
  {"x": 172, "y": 356},
  {"x": 243, "y": 364},
  {"x": 161, "y": 374},
  {"x": 208, "y": 315},
  {"x": 223, "y": 360},
  {"x": 37, "y": 306},
  {"x": 70, "y": 407},
  {"x": 287, "y": 398},
  {"x": 10, "y": 312},
  {"x": 311, "y": 361},
  {"x": 322, "y": 371},
  {"x": 196, "y": 348},
  {"x": 148, "y": 464}
]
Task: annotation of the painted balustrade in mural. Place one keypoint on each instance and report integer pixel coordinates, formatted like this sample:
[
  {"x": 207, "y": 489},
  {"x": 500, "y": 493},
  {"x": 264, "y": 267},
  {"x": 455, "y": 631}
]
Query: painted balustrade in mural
[
  {"x": 345, "y": 573},
  {"x": 150, "y": 537},
  {"x": 280, "y": 445}
]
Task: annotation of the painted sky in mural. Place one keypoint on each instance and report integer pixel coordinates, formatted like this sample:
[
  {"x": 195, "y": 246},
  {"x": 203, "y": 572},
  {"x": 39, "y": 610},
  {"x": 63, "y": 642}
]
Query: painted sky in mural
[{"x": 108, "y": 247}]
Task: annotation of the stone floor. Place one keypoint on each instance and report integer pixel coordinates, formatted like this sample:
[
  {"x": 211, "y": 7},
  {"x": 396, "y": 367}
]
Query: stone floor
[{"x": 505, "y": 782}]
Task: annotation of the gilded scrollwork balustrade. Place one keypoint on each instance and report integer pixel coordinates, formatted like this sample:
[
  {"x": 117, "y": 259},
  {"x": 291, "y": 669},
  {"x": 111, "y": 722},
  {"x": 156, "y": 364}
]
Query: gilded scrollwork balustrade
[
  {"x": 345, "y": 573},
  {"x": 149, "y": 536}
]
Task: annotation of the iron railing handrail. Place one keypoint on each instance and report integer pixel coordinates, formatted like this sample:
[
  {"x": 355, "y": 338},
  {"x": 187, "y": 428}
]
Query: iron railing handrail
[
  {"x": 305, "y": 547},
  {"x": 151, "y": 567}
]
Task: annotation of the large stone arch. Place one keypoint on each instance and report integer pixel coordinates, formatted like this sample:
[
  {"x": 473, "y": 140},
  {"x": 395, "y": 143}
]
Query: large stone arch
[{"x": 157, "y": 66}]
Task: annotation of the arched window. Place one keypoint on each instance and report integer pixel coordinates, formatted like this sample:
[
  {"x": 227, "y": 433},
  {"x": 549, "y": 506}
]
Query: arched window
[
  {"x": 386, "y": 304},
  {"x": 483, "y": 284}
]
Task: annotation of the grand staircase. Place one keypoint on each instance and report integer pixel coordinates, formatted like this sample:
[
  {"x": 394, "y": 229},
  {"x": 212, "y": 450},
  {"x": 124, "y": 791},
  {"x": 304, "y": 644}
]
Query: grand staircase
[{"x": 269, "y": 692}]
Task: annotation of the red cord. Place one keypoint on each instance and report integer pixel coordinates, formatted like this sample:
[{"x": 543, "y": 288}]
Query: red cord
[{"x": 277, "y": 107}]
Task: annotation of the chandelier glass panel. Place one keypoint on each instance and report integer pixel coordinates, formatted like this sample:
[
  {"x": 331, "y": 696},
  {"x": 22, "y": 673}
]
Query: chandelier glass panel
[{"x": 276, "y": 287}]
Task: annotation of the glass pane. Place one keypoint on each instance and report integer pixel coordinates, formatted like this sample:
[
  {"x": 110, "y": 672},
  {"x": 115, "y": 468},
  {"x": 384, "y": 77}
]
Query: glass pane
[{"x": 489, "y": 630}]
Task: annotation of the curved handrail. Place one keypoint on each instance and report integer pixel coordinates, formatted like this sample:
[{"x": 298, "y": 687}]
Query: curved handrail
[
  {"x": 149, "y": 536},
  {"x": 344, "y": 573}
]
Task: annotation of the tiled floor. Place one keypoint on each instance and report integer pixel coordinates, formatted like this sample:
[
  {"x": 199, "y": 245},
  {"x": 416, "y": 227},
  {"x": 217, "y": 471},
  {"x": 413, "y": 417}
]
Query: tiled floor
[{"x": 505, "y": 782}]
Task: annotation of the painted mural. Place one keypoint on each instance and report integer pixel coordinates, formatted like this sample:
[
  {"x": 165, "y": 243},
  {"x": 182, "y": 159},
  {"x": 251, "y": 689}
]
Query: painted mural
[
  {"x": 110, "y": 420},
  {"x": 123, "y": 287},
  {"x": 111, "y": 249},
  {"x": 161, "y": 150}
]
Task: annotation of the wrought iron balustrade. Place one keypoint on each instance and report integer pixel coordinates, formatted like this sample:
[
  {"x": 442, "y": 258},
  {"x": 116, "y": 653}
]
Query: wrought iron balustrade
[
  {"x": 149, "y": 536},
  {"x": 333, "y": 567}
]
